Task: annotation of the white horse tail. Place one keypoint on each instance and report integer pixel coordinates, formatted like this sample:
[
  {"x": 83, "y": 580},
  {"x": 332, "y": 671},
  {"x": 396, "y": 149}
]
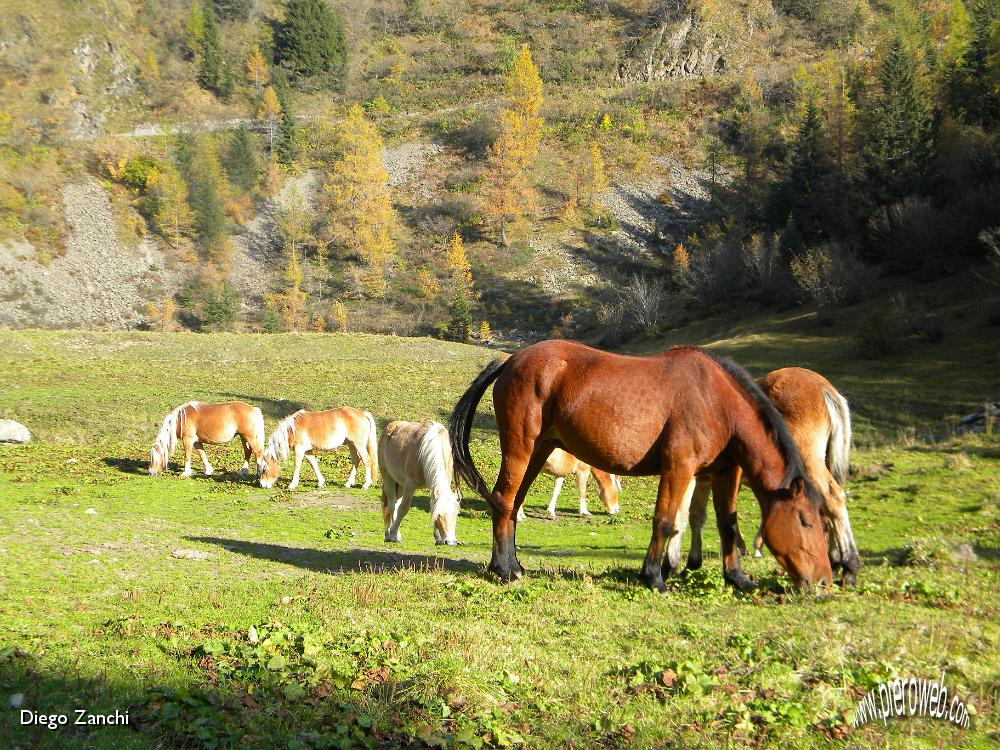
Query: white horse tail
[
  {"x": 278, "y": 447},
  {"x": 838, "y": 445},
  {"x": 259, "y": 434},
  {"x": 373, "y": 446},
  {"x": 437, "y": 464}
]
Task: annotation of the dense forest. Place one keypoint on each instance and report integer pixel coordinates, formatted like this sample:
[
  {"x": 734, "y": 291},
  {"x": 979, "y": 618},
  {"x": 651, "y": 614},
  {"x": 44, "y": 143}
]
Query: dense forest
[{"x": 836, "y": 142}]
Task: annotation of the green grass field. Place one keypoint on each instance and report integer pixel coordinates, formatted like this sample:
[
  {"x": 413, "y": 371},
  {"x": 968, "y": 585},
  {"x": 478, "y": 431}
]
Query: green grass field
[{"x": 223, "y": 615}]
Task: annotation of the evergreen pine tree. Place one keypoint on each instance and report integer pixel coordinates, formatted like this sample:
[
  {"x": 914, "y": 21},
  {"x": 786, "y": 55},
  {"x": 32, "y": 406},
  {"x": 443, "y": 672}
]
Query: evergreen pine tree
[
  {"x": 975, "y": 85},
  {"x": 213, "y": 72},
  {"x": 207, "y": 190},
  {"x": 460, "y": 316},
  {"x": 310, "y": 41},
  {"x": 286, "y": 144},
  {"x": 899, "y": 136},
  {"x": 242, "y": 165}
]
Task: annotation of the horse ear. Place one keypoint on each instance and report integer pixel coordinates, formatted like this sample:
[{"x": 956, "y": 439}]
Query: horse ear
[{"x": 797, "y": 487}]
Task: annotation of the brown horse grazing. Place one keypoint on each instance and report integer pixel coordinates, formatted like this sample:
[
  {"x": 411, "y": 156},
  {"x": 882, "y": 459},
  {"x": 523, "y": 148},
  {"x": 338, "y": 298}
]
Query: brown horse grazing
[
  {"x": 195, "y": 424},
  {"x": 560, "y": 465},
  {"x": 819, "y": 419},
  {"x": 677, "y": 414},
  {"x": 306, "y": 431}
]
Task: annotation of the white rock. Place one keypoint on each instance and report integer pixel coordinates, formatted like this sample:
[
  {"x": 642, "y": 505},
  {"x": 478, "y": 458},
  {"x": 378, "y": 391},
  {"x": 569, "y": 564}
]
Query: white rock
[
  {"x": 16, "y": 700},
  {"x": 190, "y": 554},
  {"x": 13, "y": 432},
  {"x": 90, "y": 512}
]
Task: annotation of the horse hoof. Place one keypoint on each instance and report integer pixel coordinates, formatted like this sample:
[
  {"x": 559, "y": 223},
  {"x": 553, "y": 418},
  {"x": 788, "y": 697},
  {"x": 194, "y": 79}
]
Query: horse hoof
[
  {"x": 757, "y": 553},
  {"x": 585, "y": 515},
  {"x": 740, "y": 582},
  {"x": 693, "y": 563},
  {"x": 320, "y": 485},
  {"x": 244, "y": 472},
  {"x": 551, "y": 516},
  {"x": 365, "y": 486}
]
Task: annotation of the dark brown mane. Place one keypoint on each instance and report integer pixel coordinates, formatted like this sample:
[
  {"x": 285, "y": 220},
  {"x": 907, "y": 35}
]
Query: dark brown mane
[{"x": 795, "y": 466}]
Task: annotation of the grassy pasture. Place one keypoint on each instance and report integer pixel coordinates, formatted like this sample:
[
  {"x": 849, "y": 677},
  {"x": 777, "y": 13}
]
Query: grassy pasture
[{"x": 224, "y": 615}]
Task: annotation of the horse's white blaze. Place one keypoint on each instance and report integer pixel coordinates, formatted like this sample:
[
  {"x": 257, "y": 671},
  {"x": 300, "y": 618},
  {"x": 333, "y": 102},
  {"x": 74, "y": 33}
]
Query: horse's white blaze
[{"x": 678, "y": 524}]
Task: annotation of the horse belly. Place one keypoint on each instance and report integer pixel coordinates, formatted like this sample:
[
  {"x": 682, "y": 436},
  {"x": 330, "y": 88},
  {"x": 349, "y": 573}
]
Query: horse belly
[{"x": 216, "y": 435}]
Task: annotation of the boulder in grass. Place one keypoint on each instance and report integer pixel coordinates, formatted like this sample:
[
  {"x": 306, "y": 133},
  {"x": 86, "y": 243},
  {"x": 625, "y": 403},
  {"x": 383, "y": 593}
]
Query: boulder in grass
[{"x": 13, "y": 432}]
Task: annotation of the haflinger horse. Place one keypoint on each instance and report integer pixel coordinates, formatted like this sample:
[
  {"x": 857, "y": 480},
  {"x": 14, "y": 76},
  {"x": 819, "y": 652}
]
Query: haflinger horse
[
  {"x": 819, "y": 420},
  {"x": 413, "y": 455},
  {"x": 194, "y": 424},
  {"x": 306, "y": 431},
  {"x": 677, "y": 414},
  {"x": 560, "y": 465}
]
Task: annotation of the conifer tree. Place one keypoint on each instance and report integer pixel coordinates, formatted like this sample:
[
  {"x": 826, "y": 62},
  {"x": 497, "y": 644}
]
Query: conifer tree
[
  {"x": 310, "y": 41},
  {"x": 458, "y": 264},
  {"x": 194, "y": 29},
  {"x": 213, "y": 72},
  {"x": 524, "y": 92},
  {"x": 208, "y": 190},
  {"x": 460, "y": 316},
  {"x": 286, "y": 142},
  {"x": 172, "y": 215},
  {"x": 241, "y": 159},
  {"x": 598, "y": 179},
  {"x": 360, "y": 217},
  {"x": 898, "y": 138}
]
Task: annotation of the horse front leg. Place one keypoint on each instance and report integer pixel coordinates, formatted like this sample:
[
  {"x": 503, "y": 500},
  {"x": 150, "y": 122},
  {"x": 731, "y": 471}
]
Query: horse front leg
[
  {"x": 698, "y": 513},
  {"x": 204, "y": 459},
  {"x": 518, "y": 469},
  {"x": 581, "y": 488},
  {"x": 299, "y": 453},
  {"x": 556, "y": 489},
  {"x": 188, "y": 450},
  {"x": 725, "y": 489},
  {"x": 390, "y": 494},
  {"x": 840, "y": 539},
  {"x": 362, "y": 453},
  {"x": 320, "y": 481},
  {"x": 670, "y": 518},
  {"x": 247, "y": 452}
]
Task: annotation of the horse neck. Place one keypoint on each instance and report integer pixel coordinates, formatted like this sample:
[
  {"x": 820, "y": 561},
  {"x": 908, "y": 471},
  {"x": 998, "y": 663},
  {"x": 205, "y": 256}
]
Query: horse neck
[{"x": 757, "y": 453}]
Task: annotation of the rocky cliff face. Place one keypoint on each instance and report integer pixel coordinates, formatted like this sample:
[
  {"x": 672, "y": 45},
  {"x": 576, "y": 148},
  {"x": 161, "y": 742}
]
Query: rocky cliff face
[{"x": 676, "y": 48}]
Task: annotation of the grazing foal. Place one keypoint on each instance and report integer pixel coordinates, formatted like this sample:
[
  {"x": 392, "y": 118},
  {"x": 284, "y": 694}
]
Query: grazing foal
[
  {"x": 307, "y": 431},
  {"x": 413, "y": 455},
  {"x": 194, "y": 424}
]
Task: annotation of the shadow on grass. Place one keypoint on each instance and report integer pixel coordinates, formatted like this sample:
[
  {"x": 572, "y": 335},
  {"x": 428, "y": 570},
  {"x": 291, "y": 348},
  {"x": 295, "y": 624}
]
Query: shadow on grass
[
  {"x": 138, "y": 467},
  {"x": 337, "y": 562}
]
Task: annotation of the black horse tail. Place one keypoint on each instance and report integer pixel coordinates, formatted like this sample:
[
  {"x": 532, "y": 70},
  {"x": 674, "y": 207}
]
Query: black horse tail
[{"x": 460, "y": 427}]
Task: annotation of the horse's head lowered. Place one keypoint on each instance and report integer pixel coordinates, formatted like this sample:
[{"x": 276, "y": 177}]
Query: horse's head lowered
[
  {"x": 609, "y": 489},
  {"x": 268, "y": 469},
  {"x": 444, "y": 514},
  {"x": 157, "y": 459},
  {"x": 793, "y": 531}
]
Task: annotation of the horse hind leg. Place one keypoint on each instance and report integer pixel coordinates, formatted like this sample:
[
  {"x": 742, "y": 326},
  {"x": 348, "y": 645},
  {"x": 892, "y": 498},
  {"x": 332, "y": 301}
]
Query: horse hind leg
[
  {"x": 390, "y": 496},
  {"x": 698, "y": 514},
  {"x": 518, "y": 469},
  {"x": 355, "y": 460}
]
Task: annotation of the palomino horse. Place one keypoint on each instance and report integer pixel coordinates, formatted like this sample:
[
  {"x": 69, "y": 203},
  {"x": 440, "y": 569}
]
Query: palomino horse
[
  {"x": 677, "y": 414},
  {"x": 819, "y": 419},
  {"x": 195, "y": 424},
  {"x": 413, "y": 455},
  {"x": 306, "y": 431},
  {"x": 560, "y": 465}
]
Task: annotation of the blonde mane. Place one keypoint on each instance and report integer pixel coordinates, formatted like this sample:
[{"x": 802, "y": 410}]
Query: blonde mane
[
  {"x": 277, "y": 446},
  {"x": 436, "y": 462},
  {"x": 166, "y": 438}
]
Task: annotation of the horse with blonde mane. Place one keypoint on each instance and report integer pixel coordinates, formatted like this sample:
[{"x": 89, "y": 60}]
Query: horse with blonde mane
[
  {"x": 194, "y": 424},
  {"x": 560, "y": 465},
  {"x": 307, "y": 431},
  {"x": 819, "y": 420},
  {"x": 414, "y": 455}
]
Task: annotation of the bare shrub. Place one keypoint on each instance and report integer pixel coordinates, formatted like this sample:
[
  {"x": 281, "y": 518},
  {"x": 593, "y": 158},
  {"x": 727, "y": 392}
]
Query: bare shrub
[
  {"x": 635, "y": 307},
  {"x": 827, "y": 275},
  {"x": 710, "y": 272}
]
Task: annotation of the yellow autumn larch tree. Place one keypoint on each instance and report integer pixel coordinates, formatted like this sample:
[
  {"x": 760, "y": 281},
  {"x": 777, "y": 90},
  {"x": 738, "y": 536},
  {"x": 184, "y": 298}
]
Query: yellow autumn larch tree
[
  {"x": 257, "y": 72},
  {"x": 508, "y": 194},
  {"x": 360, "y": 217}
]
